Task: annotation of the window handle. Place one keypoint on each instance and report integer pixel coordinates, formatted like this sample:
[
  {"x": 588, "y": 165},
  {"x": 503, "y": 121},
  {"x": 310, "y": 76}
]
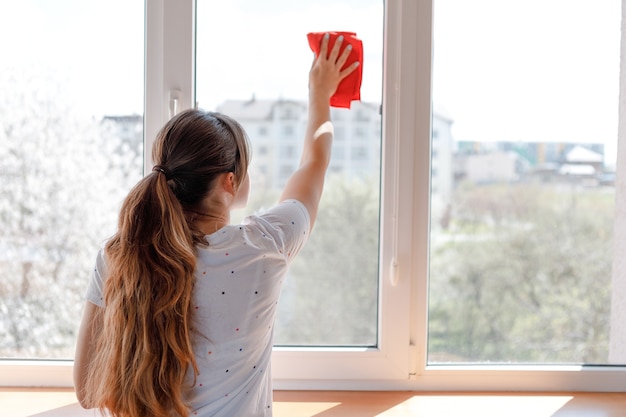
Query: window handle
[
  {"x": 174, "y": 99},
  {"x": 394, "y": 277}
]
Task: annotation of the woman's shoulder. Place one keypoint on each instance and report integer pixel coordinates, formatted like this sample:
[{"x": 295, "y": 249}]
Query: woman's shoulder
[
  {"x": 285, "y": 224},
  {"x": 285, "y": 211}
]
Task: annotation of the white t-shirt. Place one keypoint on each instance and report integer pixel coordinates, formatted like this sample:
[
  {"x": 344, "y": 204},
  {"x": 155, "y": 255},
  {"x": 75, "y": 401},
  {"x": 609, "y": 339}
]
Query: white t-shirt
[{"x": 239, "y": 277}]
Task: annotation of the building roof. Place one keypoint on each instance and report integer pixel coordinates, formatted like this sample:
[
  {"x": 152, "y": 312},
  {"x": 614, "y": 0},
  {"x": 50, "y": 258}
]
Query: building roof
[
  {"x": 128, "y": 118},
  {"x": 442, "y": 113},
  {"x": 580, "y": 154},
  {"x": 252, "y": 109},
  {"x": 247, "y": 109},
  {"x": 255, "y": 109}
]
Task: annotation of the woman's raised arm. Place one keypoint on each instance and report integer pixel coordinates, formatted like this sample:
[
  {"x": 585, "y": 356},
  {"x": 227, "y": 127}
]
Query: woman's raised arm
[{"x": 307, "y": 183}]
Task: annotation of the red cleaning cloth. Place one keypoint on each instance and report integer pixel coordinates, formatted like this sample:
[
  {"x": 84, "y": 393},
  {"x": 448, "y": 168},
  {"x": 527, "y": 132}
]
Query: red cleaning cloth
[{"x": 349, "y": 88}]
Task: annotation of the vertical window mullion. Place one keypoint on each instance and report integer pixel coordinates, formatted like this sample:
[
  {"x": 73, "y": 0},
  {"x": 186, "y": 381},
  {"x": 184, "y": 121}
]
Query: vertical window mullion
[
  {"x": 617, "y": 349},
  {"x": 418, "y": 116},
  {"x": 170, "y": 64}
]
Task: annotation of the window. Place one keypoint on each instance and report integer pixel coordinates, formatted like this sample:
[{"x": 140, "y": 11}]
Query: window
[
  {"x": 362, "y": 116},
  {"x": 522, "y": 272},
  {"x": 288, "y": 130},
  {"x": 68, "y": 156},
  {"x": 408, "y": 350},
  {"x": 288, "y": 113},
  {"x": 338, "y": 155},
  {"x": 288, "y": 152},
  {"x": 340, "y": 132},
  {"x": 359, "y": 153},
  {"x": 71, "y": 146},
  {"x": 332, "y": 277}
]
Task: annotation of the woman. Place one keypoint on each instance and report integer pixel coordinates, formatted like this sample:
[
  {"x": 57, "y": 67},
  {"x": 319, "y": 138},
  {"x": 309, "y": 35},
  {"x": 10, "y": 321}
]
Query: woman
[{"x": 181, "y": 305}]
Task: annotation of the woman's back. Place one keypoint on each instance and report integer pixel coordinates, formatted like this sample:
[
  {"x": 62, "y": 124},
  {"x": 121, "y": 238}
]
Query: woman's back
[{"x": 239, "y": 277}]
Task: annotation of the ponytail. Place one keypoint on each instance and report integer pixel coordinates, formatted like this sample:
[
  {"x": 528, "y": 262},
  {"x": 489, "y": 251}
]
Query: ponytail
[{"x": 144, "y": 351}]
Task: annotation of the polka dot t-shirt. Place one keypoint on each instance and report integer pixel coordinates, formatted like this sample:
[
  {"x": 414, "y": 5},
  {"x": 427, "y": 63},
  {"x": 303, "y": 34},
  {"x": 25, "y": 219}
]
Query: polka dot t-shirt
[{"x": 239, "y": 277}]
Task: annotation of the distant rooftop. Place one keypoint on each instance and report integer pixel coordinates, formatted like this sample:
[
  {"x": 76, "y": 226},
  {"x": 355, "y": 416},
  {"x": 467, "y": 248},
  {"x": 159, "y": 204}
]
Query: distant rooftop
[
  {"x": 581, "y": 154},
  {"x": 253, "y": 109}
]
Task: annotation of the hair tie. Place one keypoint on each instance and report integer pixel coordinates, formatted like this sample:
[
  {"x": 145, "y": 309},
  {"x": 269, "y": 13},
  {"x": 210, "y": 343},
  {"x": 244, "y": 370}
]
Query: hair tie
[{"x": 163, "y": 170}]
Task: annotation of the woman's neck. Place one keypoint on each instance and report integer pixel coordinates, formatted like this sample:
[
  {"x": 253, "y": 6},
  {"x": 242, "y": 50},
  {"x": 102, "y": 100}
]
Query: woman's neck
[{"x": 208, "y": 223}]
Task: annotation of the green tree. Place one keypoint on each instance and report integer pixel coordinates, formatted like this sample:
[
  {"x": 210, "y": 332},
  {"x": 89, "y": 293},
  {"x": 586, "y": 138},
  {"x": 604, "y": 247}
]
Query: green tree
[
  {"x": 331, "y": 295},
  {"x": 523, "y": 275}
]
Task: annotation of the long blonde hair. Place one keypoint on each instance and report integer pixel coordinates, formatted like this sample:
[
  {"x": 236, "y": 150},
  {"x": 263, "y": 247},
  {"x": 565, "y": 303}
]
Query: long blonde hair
[{"x": 144, "y": 353}]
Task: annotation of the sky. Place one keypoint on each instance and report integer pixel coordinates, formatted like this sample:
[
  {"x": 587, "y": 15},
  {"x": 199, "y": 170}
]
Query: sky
[
  {"x": 529, "y": 70},
  {"x": 93, "y": 49},
  {"x": 255, "y": 51},
  {"x": 516, "y": 70}
]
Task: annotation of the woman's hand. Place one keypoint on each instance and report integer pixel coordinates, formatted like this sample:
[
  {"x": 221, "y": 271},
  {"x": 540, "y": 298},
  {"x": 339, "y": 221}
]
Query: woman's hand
[{"x": 326, "y": 72}]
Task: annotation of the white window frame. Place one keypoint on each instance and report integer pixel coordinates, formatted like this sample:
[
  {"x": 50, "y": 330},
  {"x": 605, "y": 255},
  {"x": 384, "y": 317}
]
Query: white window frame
[{"x": 399, "y": 361}]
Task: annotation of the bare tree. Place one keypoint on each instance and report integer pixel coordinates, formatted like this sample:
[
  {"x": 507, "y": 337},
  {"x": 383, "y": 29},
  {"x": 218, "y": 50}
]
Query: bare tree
[{"x": 61, "y": 180}]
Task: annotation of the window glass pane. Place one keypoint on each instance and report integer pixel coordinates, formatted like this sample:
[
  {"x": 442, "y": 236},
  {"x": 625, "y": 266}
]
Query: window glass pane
[
  {"x": 252, "y": 64},
  {"x": 523, "y": 166},
  {"x": 71, "y": 131}
]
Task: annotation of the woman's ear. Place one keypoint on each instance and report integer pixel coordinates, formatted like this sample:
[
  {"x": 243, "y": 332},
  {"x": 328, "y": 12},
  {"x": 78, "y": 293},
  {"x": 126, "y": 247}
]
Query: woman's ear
[{"x": 228, "y": 182}]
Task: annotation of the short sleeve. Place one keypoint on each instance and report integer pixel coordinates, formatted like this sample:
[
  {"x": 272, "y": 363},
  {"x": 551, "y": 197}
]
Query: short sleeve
[
  {"x": 96, "y": 282},
  {"x": 287, "y": 224}
]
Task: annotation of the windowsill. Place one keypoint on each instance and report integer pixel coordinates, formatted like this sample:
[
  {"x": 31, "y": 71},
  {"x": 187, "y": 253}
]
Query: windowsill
[{"x": 61, "y": 402}]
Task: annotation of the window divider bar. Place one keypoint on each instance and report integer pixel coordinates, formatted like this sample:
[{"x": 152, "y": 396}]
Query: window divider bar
[
  {"x": 617, "y": 344},
  {"x": 169, "y": 65}
]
